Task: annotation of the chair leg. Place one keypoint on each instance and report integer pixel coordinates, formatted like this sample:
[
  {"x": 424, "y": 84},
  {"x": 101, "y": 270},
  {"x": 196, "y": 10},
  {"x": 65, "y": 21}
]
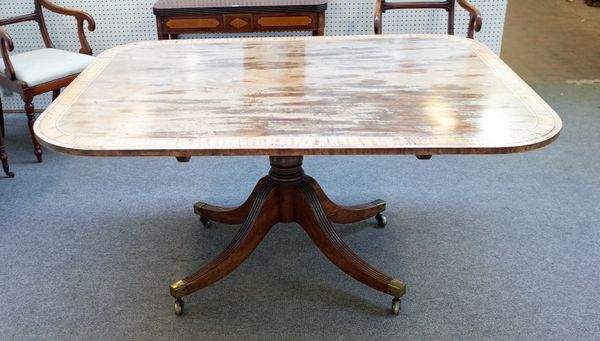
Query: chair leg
[
  {"x": 1, "y": 119},
  {"x": 4, "y": 159},
  {"x": 55, "y": 94},
  {"x": 29, "y": 109}
]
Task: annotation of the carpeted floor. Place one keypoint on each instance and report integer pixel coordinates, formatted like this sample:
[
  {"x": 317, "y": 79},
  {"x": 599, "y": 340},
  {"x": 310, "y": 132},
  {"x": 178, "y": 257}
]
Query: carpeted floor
[
  {"x": 491, "y": 247},
  {"x": 552, "y": 40}
]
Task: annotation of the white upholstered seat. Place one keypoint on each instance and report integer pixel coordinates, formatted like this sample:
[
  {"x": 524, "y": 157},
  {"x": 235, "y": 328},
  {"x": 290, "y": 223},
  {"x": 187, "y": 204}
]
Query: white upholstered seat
[{"x": 46, "y": 65}]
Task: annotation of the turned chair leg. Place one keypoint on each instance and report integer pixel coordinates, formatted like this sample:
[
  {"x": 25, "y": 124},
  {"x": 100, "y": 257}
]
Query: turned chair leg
[
  {"x": 2, "y": 118},
  {"x": 3, "y": 154},
  {"x": 29, "y": 110},
  {"x": 55, "y": 94},
  {"x": 4, "y": 159}
]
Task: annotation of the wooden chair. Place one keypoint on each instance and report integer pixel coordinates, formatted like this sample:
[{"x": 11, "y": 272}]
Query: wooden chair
[
  {"x": 381, "y": 6},
  {"x": 39, "y": 71}
]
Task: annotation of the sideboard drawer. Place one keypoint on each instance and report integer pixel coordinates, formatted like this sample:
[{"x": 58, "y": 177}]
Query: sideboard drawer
[
  {"x": 300, "y": 21},
  {"x": 196, "y": 23}
]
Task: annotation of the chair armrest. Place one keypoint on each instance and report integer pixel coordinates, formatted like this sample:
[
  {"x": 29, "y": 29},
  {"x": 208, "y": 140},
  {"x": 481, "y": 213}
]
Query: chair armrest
[
  {"x": 6, "y": 46},
  {"x": 377, "y": 16},
  {"x": 475, "y": 20},
  {"x": 80, "y": 16}
]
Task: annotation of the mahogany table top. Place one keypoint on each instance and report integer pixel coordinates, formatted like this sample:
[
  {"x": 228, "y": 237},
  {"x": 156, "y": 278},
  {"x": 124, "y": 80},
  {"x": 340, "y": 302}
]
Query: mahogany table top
[{"x": 403, "y": 94}]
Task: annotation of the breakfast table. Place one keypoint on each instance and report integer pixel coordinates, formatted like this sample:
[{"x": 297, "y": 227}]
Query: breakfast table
[{"x": 291, "y": 97}]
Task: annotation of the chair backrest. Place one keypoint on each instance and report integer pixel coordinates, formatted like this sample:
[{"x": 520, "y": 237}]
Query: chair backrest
[
  {"x": 38, "y": 16},
  {"x": 382, "y": 6},
  {"x": 447, "y": 5},
  {"x": 6, "y": 43}
]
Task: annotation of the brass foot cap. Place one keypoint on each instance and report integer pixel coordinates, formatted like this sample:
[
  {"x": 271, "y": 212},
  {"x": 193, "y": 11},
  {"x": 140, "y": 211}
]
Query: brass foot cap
[
  {"x": 396, "y": 288},
  {"x": 178, "y": 289},
  {"x": 380, "y": 204},
  {"x": 198, "y": 206}
]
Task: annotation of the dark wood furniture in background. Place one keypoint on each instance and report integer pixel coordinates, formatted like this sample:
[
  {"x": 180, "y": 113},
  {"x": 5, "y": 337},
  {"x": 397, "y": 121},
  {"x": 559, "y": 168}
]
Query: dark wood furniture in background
[
  {"x": 3, "y": 155},
  {"x": 174, "y": 17},
  {"x": 381, "y": 6},
  {"x": 593, "y": 2},
  {"x": 10, "y": 75}
]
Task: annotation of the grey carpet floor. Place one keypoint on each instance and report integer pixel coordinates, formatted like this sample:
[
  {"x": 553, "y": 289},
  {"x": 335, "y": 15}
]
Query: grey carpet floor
[{"x": 491, "y": 247}]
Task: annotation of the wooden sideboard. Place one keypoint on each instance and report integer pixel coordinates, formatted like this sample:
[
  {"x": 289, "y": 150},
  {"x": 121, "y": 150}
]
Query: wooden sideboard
[{"x": 174, "y": 17}]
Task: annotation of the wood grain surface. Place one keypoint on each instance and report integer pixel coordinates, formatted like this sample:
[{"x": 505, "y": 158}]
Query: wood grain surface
[{"x": 404, "y": 94}]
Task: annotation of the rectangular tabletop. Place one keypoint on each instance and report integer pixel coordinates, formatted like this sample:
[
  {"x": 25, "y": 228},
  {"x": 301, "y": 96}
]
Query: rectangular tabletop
[{"x": 404, "y": 94}]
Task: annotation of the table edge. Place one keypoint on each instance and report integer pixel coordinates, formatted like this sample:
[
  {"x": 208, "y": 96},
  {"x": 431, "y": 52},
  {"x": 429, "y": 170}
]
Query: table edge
[{"x": 432, "y": 150}]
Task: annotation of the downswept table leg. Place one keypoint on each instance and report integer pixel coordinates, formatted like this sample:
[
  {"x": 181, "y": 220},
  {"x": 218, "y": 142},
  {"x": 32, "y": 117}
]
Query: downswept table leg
[
  {"x": 313, "y": 219},
  {"x": 228, "y": 215},
  {"x": 287, "y": 195},
  {"x": 263, "y": 215},
  {"x": 339, "y": 214}
]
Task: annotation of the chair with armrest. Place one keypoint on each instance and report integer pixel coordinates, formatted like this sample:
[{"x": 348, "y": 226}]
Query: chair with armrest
[
  {"x": 381, "y": 6},
  {"x": 39, "y": 71}
]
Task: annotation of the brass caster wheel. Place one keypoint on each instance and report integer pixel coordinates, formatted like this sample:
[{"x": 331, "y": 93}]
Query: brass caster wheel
[
  {"x": 179, "y": 307},
  {"x": 207, "y": 223},
  {"x": 396, "y": 306},
  {"x": 381, "y": 220}
]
